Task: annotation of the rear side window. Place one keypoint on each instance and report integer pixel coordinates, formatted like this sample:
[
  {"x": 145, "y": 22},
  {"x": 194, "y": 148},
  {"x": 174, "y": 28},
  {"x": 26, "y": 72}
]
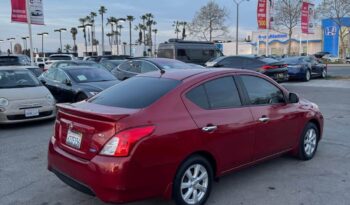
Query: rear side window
[
  {"x": 165, "y": 53},
  {"x": 135, "y": 93},
  {"x": 216, "y": 94}
]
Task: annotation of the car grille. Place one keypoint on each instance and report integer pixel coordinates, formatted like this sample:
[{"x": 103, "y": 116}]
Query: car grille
[{"x": 23, "y": 117}]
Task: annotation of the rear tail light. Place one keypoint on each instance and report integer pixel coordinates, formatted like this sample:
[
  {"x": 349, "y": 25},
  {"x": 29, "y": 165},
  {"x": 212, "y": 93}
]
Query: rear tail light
[
  {"x": 122, "y": 143},
  {"x": 268, "y": 67}
]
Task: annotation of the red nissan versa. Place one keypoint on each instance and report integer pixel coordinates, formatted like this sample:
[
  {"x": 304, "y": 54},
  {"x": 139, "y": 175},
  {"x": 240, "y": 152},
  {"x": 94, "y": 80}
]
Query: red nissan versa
[{"x": 169, "y": 134}]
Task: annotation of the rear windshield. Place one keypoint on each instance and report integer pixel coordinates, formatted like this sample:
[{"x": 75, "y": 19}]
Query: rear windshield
[
  {"x": 17, "y": 79},
  {"x": 268, "y": 60},
  {"x": 135, "y": 93},
  {"x": 86, "y": 75},
  {"x": 60, "y": 58},
  {"x": 292, "y": 61}
]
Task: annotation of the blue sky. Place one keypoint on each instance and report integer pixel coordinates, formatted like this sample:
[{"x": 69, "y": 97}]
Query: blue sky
[{"x": 65, "y": 13}]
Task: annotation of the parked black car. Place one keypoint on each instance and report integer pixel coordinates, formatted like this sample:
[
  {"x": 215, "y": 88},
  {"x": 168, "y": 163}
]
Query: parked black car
[
  {"x": 98, "y": 59},
  {"x": 305, "y": 67},
  {"x": 14, "y": 60},
  {"x": 75, "y": 63},
  {"x": 275, "y": 69},
  {"x": 111, "y": 64},
  {"x": 74, "y": 84},
  {"x": 137, "y": 66}
]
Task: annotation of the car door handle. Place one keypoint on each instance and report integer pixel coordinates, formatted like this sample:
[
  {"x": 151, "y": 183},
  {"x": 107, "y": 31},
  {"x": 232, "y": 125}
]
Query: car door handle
[
  {"x": 264, "y": 119},
  {"x": 209, "y": 128}
]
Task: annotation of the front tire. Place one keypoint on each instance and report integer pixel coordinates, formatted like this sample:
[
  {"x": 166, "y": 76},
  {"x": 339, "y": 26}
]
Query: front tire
[
  {"x": 309, "y": 142},
  {"x": 324, "y": 73},
  {"x": 193, "y": 182}
]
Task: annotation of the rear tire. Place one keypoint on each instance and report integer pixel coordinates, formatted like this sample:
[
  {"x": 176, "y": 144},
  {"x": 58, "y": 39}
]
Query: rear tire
[
  {"x": 308, "y": 142},
  {"x": 80, "y": 97},
  {"x": 193, "y": 181},
  {"x": 307, "y": 76}
]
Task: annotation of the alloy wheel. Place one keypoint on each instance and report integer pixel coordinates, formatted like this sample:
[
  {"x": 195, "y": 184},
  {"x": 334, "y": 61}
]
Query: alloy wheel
[
  {"x": 194, "y": 184},
  {"x": 310, "y": 142}
]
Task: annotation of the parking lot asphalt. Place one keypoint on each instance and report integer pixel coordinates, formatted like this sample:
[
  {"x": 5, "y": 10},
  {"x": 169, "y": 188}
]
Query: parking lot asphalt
[
  {"x": 24, "y": 178},
  {"x": 339, "y": 70}
]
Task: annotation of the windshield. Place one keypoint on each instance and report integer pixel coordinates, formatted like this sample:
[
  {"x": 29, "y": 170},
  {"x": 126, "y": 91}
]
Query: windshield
[
  {"x": 135, "y": 93},
  {"x": 86, "y": 75},
  {"x": 171, "y": 64},
  {"x": 12, "y": 60},
  {"x": 17, "y": 79},
  {"x": 292, "y": 61},
  {"x": 55, "y": 58}
]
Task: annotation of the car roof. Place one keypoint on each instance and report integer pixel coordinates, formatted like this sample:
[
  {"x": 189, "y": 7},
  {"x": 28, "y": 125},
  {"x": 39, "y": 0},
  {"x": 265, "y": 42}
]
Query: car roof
[
  {"x": 183, "y": 74},
  {"x": 16, "y": 67},
  {"x": 76, "y": 61}
]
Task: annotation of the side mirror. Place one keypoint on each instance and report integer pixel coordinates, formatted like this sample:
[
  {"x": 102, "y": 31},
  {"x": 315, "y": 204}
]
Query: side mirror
[
  {"x": 218, "y": 65},
  {"x": 43, "y": 81},
  {"x": 67, "y": 82},
  {"x": 293, "y": 98}
]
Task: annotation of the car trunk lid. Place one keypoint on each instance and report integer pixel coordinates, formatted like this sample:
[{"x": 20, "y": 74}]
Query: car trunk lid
[{"x": 82, "y": 129}]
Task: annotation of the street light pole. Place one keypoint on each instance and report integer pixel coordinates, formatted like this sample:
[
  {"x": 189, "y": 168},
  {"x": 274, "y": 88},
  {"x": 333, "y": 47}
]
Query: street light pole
[
  {"x": 42, "y": 42},
  {"x": 25, "y": 42},
  {"x": 11, "y": 39},
  {"x": 60, "y": 31},
  {"x": 1, "y": 41},
  {"x": 117, "y": 38},
  {"x": 237, "y": 2}
]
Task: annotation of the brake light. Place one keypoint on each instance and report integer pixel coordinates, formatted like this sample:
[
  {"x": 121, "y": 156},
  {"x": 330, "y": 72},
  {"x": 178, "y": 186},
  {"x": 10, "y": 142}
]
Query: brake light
[
  {"x": 268, "y": 67},
  {"x": 122, "y": 143}
]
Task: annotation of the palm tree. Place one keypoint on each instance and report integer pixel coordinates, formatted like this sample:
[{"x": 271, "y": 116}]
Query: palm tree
[
  {"x": 139, "y": 29},
  {"x": 83, "y": 26},
  {"x": 93, "y": 15},
  {"x": 119, "y": 33},
  {"x": 176, "y": 25},
  {"x": 144, "y": 18},
  {"x": 110, "y": 36},
  {"x": 102, "y": 11},
  {"x": 155, "y": 31},
  {"x": 149, "y": 23},
  {"x": 112, "y": 21},
  {"x": 130, "y": 19},
  {"x": 67, "y": 48},
  {"x": 184, "y": 25},
  {"x": 74, "y": 32}
]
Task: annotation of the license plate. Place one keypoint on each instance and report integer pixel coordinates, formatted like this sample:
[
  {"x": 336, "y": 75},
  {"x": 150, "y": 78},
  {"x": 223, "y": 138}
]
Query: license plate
[
  {"x": 74, "y": 139},
  {"x": 31, "y": 112},
  {"x": 280, "y": 75}
]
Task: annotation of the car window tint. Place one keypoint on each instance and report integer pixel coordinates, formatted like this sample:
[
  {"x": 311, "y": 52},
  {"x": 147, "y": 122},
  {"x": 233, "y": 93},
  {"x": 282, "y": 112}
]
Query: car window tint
[
  {"x": 232, "y": 62},
  {"x": 262, "y": 92},
  {"x": 135, "y": 66},
  {"x": 125, "y": 66},
  {"x": 199, "y": 97},
  {"x": 60, "y": 76},
  {"x": 135, "y": 93},
  {"x": 222, "y": 93},
  {"x": 50, "y": 74},
  {"x": 147, "y": 67}
]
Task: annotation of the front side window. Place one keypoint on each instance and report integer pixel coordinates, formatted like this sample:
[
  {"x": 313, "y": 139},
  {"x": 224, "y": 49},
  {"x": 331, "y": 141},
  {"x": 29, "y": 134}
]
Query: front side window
[
  {"x": 147, "y": 67},
  {"x": 216, "y": 94},
  {"x": 61, "y": 76},
  {"x": 262, "y": 92}
]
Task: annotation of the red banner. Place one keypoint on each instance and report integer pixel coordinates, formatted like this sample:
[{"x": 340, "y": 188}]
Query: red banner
[
  {"x": 19, "y": 11},
  {"x": 307, "y": 18},
  {"x": 262, "y": 14}
]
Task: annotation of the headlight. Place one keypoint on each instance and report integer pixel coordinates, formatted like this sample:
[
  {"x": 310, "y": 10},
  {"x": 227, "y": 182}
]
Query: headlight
[
  {"x": 94, "y": 93},
  {"x": 4, "y": 102},
  {"x": 50, "y": 99}
]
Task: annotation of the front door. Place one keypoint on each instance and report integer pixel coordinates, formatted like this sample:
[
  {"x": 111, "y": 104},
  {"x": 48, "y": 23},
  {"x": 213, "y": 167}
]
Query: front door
[{"x": 275, "y": 120}]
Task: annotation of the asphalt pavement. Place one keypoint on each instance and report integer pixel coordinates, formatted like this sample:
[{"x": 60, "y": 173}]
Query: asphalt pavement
[{"x": 24, "y": 179}]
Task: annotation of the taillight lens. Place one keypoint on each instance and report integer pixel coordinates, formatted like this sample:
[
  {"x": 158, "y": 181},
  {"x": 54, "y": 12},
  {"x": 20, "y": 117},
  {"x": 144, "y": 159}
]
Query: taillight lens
[
  {"x": 122, "y": 143},
  {"x": 268, "y": 67}
]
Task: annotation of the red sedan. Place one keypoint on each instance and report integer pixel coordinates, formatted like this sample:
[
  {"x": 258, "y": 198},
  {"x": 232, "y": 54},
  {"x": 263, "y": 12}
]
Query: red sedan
[{"x": 169, "y": 134}]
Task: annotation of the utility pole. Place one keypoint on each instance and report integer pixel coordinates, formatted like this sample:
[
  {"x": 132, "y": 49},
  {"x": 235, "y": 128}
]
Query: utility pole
[{"x": 237, "y": 2}]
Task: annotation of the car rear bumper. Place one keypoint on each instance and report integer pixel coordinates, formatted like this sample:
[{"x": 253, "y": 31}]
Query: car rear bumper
[
  {"x": 279, "y": 76},
  {"x": 115, "y": 180},
  {"x": 18, "y": 116}
]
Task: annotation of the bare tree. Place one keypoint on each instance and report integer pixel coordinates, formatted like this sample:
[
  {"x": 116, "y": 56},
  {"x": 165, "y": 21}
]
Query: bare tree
[
  {"x": 209, "y": 22},
  {"x": 287, "y": 17},
  {"x": 336, "y": 10}
]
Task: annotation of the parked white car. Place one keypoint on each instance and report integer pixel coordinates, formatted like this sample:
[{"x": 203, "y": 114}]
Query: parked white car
[
  {"x": 23, "y": 98},
  {"x": 59, "y": 57},
  {"x": 331, "y": 58}
]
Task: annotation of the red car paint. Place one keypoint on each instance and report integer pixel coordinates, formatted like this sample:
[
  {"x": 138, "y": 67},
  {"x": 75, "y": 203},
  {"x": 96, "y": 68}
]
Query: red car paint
[{"x": 149, "y": 169}]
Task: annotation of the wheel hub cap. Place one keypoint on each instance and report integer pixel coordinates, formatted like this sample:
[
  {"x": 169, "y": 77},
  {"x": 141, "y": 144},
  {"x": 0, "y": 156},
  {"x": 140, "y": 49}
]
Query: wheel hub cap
[
  {"x": 194, "y": 184},
  {"x": 310, "y": 141}
]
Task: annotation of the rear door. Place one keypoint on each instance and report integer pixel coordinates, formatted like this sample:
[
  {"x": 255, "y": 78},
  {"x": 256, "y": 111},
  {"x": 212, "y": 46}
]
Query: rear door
[
  {"x": 226, "y": 126},
  {"x": 275, "y": 121}
]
